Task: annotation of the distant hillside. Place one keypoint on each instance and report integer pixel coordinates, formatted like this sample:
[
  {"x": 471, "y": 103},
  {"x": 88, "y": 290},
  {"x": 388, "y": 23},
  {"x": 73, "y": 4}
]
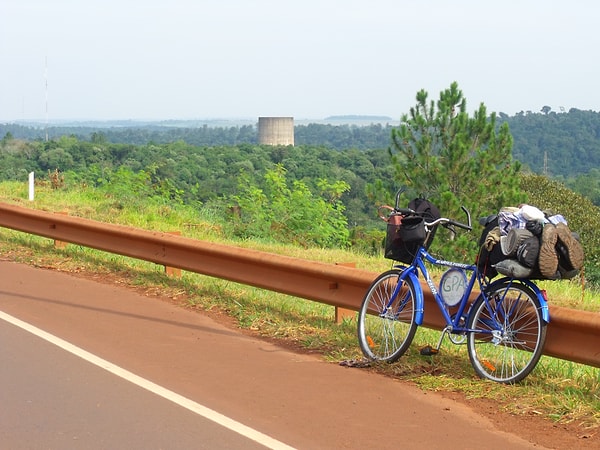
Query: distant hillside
[
  {"x": 557, "y": 144},
  {"x": 358, "y": 118},
  {"x": 561, "y": 145}
]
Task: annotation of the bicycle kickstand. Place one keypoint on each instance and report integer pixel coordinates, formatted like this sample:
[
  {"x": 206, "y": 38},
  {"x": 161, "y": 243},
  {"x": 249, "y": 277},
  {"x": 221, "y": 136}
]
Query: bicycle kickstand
[{"x": 428, "y": 350}]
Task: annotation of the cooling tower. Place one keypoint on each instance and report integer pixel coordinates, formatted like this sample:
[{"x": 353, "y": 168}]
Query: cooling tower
[{"x": 276, "y": 130}]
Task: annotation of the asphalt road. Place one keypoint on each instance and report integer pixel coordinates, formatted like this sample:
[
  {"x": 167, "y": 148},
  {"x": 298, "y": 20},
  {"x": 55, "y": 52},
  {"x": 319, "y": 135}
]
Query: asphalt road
[
  {"x": 53, "y": 399},
  {"x": 96, "y": 366}
]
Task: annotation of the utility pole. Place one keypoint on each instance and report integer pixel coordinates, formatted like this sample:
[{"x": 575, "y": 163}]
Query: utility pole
[{"x": 46, "y": 79}]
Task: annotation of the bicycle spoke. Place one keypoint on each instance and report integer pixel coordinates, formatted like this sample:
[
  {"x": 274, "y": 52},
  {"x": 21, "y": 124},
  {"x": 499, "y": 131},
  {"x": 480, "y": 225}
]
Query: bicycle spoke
[
  {"x": 510, "y": 334},
  {"x": 386, "y": 319}
]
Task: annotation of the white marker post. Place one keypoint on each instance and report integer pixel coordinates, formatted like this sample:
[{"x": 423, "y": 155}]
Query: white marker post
[{"x": 31, "y": 186}]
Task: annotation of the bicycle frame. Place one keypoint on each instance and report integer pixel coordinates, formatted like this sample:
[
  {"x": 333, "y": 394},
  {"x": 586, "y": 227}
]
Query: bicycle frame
[{"x": 455, "y": 324}]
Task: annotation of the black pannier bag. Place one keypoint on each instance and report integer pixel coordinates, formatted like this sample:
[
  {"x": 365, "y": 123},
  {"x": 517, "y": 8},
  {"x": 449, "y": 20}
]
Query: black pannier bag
[
  {"x": 405, "y": 234},
  {"x": 488, "y": 257},
  {"x": 429, "y": 212}
]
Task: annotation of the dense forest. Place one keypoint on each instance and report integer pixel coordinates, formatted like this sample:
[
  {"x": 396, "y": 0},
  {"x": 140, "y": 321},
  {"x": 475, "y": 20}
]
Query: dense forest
[
  {"x": 563, "y": 145},
  {"x": 198, "y": 174},
  {"x": 203, "y": 160}
]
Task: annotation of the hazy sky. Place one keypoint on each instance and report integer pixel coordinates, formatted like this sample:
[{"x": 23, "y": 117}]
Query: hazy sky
[{"x": 196, "y": 59}]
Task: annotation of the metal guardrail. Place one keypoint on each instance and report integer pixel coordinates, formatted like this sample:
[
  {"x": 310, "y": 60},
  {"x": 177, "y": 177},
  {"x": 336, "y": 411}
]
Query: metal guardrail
[{"x": 572, "y": 335}]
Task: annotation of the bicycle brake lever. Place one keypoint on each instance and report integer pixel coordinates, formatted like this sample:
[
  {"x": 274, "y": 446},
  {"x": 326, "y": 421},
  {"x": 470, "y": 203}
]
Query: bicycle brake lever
[{"x": 450, "y": 228}]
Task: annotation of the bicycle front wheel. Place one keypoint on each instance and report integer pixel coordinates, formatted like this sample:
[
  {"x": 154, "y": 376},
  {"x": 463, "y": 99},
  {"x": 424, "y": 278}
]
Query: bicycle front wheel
[
  {"x": 386, "y": 321},
  {"x": 508, "y": 333}
]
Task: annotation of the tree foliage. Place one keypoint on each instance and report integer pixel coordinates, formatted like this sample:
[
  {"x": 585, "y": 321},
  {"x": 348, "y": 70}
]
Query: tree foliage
[{"x": 289, "y": 212}]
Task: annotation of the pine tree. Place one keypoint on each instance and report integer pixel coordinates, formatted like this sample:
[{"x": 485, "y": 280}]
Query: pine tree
[{"x": 454, "y": 159}]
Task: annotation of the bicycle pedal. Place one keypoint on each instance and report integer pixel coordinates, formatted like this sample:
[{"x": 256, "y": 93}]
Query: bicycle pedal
[{"x": 429, "y": 351}]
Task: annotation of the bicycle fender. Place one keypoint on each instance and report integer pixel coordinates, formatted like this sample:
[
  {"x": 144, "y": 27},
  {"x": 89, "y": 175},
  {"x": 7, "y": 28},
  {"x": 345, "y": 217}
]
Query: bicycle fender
[
  {"x": 541, "y": 295},
  {"x": 419, "y": 299},
  {"x": 536, "y": 290}
]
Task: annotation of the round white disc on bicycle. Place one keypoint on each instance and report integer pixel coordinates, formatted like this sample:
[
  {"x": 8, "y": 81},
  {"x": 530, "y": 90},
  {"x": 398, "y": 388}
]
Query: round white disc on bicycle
[{"x": 453, "y": 286}]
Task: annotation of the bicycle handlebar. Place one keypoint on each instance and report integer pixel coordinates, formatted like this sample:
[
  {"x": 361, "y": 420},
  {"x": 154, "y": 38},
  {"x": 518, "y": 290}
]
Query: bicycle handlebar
[
  {"x": 445, "y": 221},
  {"x": 441, "y": 221}
]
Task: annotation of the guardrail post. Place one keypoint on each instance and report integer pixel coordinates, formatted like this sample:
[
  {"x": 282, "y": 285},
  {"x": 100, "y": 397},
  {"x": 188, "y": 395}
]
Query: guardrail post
[
  {"x": 173, "y": 271},
  {"x": 59, "y": 243},
  {"x": 342, "y": 314}
]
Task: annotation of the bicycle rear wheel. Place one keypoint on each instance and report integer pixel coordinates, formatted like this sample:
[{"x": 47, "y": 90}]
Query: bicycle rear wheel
[
  {"x": 386, "y": 321},
  {"x": 510, "y": 333}
]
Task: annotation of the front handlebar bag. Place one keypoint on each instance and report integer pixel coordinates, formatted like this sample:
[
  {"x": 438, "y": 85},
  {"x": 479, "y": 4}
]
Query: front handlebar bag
[{"x": 404, "y": 236}]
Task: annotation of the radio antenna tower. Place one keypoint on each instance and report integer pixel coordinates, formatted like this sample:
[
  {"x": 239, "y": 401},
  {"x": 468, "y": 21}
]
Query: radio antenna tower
[{"x": 46, "y": 79}]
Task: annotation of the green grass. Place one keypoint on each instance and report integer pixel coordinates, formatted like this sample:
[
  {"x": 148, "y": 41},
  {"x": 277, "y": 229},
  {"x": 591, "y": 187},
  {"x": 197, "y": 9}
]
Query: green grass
[{"x": 559, "y": 390}]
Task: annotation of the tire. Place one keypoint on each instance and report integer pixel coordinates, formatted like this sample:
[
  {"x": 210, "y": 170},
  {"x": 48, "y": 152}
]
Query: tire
[
  {"x": 511, "y": 333},
  {"x": 386, "y": 325}
]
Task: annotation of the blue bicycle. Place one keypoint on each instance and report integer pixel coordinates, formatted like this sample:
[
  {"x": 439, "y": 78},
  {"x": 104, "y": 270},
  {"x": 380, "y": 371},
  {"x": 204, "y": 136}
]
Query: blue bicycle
[{"x": 504, "y": 327}]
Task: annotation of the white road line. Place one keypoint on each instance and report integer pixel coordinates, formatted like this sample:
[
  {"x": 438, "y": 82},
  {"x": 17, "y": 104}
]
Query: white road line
[{"x": 191, "y": 405}]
